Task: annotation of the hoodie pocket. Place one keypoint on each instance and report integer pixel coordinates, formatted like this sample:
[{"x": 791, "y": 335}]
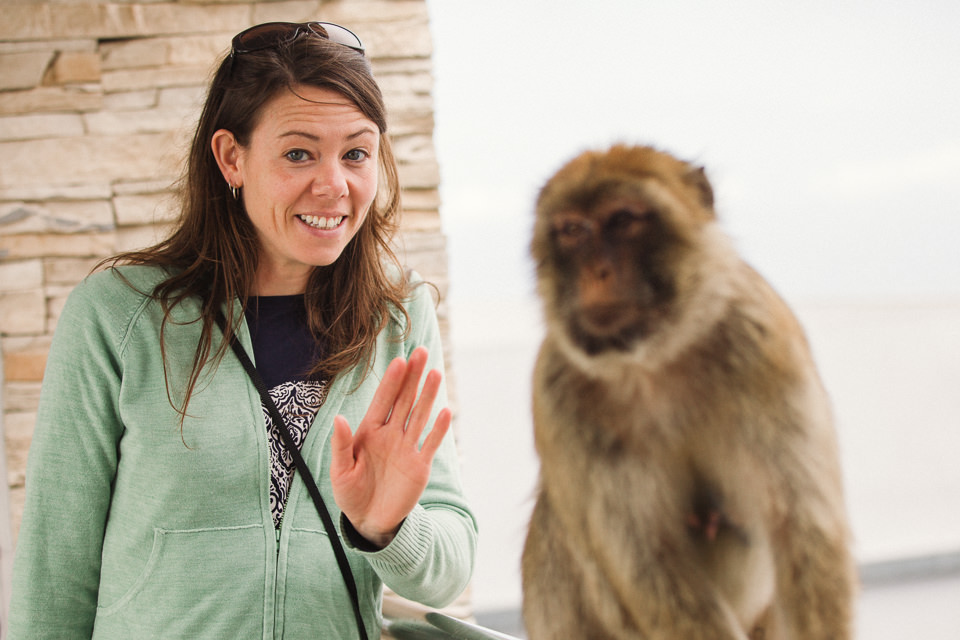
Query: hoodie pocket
[{"x": 195, "y": 580}]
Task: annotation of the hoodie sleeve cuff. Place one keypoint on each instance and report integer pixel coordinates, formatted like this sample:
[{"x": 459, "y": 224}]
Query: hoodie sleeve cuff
[{"x": 406, "y": 551}]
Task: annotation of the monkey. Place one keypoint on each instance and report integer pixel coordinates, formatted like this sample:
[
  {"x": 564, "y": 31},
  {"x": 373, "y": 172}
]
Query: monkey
[{"x": 690, "y": 485}]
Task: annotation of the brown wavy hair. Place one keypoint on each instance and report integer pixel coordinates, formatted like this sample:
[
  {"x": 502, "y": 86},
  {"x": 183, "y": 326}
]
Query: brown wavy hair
[{"x": 212, "y": 252}]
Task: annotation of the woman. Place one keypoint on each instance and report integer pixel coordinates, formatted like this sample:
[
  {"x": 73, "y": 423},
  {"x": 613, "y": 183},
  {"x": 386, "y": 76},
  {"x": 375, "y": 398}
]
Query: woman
[{"x": 158, "y": 503}]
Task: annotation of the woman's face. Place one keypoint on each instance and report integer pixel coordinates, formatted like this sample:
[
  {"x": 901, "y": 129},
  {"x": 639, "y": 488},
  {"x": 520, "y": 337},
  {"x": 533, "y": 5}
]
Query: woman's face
[{"x": 308, "y": 178}]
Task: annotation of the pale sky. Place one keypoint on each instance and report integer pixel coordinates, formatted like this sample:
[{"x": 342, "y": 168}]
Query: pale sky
[{"x": 830, "y": 129}]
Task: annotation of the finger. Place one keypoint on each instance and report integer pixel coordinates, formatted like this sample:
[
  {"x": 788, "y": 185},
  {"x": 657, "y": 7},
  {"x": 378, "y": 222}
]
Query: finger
[
  {"x": 411, "y": 383},
  {"x": 435, "y": 437},
  {"x": 421, "y": 412},
  {"x": 386, "y": 394},
  {"x": 341, "y": 447}
]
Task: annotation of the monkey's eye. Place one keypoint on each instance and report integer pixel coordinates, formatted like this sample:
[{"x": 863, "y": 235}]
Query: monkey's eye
[
  {"x": 571, "y": 232},
  {"x": 627, "y": 221}
]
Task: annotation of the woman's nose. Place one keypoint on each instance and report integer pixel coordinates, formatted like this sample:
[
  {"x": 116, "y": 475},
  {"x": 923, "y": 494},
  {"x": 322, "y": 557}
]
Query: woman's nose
[{"x": 330, "y": 180}]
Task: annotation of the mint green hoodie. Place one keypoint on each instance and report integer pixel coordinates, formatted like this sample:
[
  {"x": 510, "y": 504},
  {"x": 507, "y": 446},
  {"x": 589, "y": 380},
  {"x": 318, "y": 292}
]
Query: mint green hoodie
[{"x": 132, "y": 530}]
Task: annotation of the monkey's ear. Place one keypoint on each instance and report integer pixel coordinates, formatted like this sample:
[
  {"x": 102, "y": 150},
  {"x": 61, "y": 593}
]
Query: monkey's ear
[{"x": 697, "y": 178}]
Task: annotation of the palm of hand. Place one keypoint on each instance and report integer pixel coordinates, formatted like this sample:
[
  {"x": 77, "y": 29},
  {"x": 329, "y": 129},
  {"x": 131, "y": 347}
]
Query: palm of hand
[{"x": 379, "y": 472}]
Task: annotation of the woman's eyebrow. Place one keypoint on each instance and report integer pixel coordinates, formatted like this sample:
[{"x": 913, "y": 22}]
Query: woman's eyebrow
[{"x": 315, "y": 138}]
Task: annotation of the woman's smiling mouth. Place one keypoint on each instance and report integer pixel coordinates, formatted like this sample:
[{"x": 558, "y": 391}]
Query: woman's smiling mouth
[{"x": 322, "y": 222}]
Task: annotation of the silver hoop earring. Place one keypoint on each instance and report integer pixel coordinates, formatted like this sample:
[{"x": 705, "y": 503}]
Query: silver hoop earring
[{"x": 235, "y": 191}]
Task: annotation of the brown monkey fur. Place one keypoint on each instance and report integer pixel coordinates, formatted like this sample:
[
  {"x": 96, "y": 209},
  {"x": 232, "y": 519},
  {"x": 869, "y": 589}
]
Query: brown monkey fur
[{"x": 690, "y": 486}]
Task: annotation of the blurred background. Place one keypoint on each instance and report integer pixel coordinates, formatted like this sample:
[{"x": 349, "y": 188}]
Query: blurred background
[{"x": 830, "y": 133}]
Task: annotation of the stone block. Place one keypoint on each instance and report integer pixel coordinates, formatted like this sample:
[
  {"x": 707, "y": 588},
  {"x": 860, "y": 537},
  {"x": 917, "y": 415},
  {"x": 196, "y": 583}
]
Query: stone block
[
  {"x": 130, "y": 157},
  {"x": 204, "y": 50},
  {"x": 51, "y": 99},
  {"x": 74, "y": 67},
  {"x": 424, "y": 242},
  {"x": 21, "y": 396},
  {"x": 132, "y": 238},
  {"x": 21, "y": 275},
  {"x": 406, "y": 83},
  {"x": 177, "y": 50},
  {"x": 373, "y": 11},
  {"x": 57, "y": 217},
  {"x": 24, "y": 366},
  {"x": 47, "y": 125},
  {"x": 136, "y": 187},
  {"x": 401, "y": 66},
  {"x": 421, "y": 199},
  {"x": 40, "y": 191},
  {"x": 131, "y": 100},
  {"x": 419, "y": 220},
  {"x": 137, "y": 79},
  {"x": 425, "y": 175},
  {"x": 292, "y": 11},
  {"x": 116, "y": 20},
  {"x": 409, "y": 107},
  {"x": 81, "y": 44},
  {"x": 67, "y": 271},
  {"x": 18, "y": 432},
  {"x": 145, "y": 209},
  {"x": 26, "y": 22},
  {"x": 17, "y": 496},
  {"x": 190, "y": 98},
  {"x": 47, "y": 245},
  {"x": 414, "y": 149},
  {"x": 402, "y": 124},
  {"x": 56, "y": 299},
  {"x": 21, "y": 343},
  {"x": 23, "y": 312},
  {"x": 23, "y": 70},
  {"x": 400, "y": 38},
  {"x": 154, "y": 120},
  {"x": 134, "y": 54}
]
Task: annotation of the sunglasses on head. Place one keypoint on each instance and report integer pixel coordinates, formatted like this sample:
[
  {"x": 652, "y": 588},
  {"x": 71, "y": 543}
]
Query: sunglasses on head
[{"x": 271, "y": 34}]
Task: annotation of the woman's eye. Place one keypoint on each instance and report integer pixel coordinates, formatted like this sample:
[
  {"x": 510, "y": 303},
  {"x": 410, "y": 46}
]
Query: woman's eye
[
  {"x": 297, "y": 155},
  {"x": 356, "y": 155}
]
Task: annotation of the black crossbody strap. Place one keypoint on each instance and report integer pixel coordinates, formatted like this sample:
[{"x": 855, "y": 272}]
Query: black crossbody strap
[{"x": 304, "y": 471}]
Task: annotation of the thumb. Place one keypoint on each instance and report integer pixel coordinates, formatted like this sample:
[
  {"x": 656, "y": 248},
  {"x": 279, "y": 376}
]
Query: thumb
[{"x": 341, "y": 447}]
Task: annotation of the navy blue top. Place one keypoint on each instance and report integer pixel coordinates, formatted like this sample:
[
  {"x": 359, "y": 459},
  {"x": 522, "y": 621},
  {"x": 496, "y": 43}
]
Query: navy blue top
[{"x": 283, "y": 348}]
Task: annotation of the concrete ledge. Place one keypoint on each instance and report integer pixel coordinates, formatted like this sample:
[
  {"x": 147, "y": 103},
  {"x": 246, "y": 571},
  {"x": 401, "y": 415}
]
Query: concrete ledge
[{"x": 921, "y": 567}]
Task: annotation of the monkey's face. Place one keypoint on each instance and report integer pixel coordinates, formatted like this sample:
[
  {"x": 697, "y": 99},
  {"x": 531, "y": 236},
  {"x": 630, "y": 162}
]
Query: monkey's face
[
  {"x": 610, "y": 288},
  {"x": 613, "y": 243}
]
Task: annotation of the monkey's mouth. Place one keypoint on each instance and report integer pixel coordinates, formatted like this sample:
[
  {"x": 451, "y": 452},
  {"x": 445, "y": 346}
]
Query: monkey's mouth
[{"x": 604, "y": 328}]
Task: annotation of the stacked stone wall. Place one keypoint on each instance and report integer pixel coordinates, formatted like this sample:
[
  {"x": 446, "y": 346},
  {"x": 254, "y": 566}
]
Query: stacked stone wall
[{"x": 97, "y": 103}]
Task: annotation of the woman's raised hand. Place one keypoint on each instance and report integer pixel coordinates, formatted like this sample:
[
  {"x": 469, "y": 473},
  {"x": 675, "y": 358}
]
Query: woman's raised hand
[{"x": 379, "y": 472}]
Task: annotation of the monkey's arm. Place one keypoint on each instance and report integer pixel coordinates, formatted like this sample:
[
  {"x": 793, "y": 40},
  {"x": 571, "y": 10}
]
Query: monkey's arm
[{"x": 816, "y": 571}]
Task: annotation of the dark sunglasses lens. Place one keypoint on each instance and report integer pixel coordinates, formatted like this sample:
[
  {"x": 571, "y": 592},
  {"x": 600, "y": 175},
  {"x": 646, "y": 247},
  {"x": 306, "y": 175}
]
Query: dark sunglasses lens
[
  {"x": 264, "y": 36},
  {"x": 336, "y": 33}
]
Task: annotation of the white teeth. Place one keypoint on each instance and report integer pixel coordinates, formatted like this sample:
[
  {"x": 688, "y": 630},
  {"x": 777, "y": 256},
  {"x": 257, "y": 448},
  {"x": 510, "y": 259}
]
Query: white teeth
[{"x": 318, "y": 222}]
